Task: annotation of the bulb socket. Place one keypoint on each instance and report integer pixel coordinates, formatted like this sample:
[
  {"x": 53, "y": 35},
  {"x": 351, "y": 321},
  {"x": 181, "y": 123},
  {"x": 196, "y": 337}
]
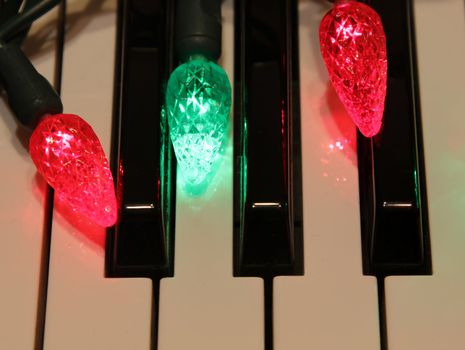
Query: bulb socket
[
  {"x": 30, "y": 95},
  {"x": 198, "y": 29}
]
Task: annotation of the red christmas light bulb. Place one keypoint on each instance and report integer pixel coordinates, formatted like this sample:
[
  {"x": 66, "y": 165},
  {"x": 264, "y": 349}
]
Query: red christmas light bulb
[
  {"x": 68, "y": 154},
  {"x": 353, "y": 46}
]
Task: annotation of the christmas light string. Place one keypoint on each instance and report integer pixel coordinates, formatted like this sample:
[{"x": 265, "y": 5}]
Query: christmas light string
[
  {"x": 68, "y": 153},
  {"x": 64, "y": 148}
]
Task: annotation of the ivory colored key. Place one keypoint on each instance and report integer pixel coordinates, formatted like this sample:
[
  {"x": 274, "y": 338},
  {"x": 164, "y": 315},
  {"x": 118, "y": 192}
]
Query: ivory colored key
[
  {"x": 333, "y": 306},
  {"x": 428, "y": 312},
  {"x": 85, "y": 310},
  {"x": 22, "y": 210},
  {"x": 204, "y": 306}
]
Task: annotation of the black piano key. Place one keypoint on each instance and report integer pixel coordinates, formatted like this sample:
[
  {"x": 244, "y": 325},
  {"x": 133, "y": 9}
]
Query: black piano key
[
  {"x": 267, "y": 214},
  {"x": 393, "y": 203},
  {"x": 395, "y": 232},
  {"x": 142, "y": 243},
  {"x": 267, "y": 172}
]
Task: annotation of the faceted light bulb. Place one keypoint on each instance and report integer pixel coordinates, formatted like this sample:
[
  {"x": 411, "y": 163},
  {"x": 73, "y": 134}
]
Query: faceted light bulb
[
  {"x": 198, "y": 102},
  {"x": 68, "y": 154},
  {"x": 353, "y": 46}
]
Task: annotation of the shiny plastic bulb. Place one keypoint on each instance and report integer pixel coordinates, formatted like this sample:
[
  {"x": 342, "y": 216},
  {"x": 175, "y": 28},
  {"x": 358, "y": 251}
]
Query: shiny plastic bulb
[
  {"x": 353, "y": 46},
  {"x": 68, "y": 154},
  {"x": 198, "y": 103}
]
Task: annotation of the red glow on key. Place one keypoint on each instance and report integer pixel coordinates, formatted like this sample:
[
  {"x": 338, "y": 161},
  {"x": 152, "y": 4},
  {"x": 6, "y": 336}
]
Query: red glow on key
[
  {"x": 353, "y": 46},
  {"x": 68, "y": 154}
]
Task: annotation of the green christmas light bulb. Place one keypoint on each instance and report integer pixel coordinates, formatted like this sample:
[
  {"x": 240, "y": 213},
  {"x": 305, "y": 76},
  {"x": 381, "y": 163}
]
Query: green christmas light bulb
[{"x": 198, "y": 102}]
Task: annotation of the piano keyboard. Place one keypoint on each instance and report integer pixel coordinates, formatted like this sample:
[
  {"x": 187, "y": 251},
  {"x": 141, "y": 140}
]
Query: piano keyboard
[{"x": 333, "y": 306}]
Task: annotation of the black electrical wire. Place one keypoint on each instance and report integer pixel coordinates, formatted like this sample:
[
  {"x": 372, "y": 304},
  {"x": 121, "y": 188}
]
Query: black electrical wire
[
  {"x": 29, "y": 94},
  {"x": 9, "y": 8},
  {"x": 20, "y": 21},
  {"x": 16, "y": 17}
]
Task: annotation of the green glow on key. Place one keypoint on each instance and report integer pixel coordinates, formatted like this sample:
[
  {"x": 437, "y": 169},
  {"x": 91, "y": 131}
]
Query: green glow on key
[
  {"x": 165, "y": 176},
  {"x": 198, "y": 102}
]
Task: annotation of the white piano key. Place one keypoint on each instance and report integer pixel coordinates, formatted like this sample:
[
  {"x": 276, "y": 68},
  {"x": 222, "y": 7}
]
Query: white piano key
[
  {"x": 204, "y": 306},
  {"x": 428, "y": 312},
  {"x": 333, "y": 306},
  {"x": 22, "y": 204},
  {"x": 85, "y": 310}
]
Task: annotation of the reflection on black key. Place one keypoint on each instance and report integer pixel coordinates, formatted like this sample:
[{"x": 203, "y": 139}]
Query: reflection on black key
[
  {"x": 267, "y": 173},
  {"x": 142, "y": 242}
]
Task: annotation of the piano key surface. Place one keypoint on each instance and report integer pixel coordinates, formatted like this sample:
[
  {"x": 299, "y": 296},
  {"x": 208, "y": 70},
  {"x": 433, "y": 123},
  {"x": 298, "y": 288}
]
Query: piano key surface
[
  {"x": 84, "y": 309},
  {"x": 332, "y": 306},
  {"x": 428, "y": 312},
  {"x": 22, "y": 210},
  {"x": 203, "y": 306}
]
